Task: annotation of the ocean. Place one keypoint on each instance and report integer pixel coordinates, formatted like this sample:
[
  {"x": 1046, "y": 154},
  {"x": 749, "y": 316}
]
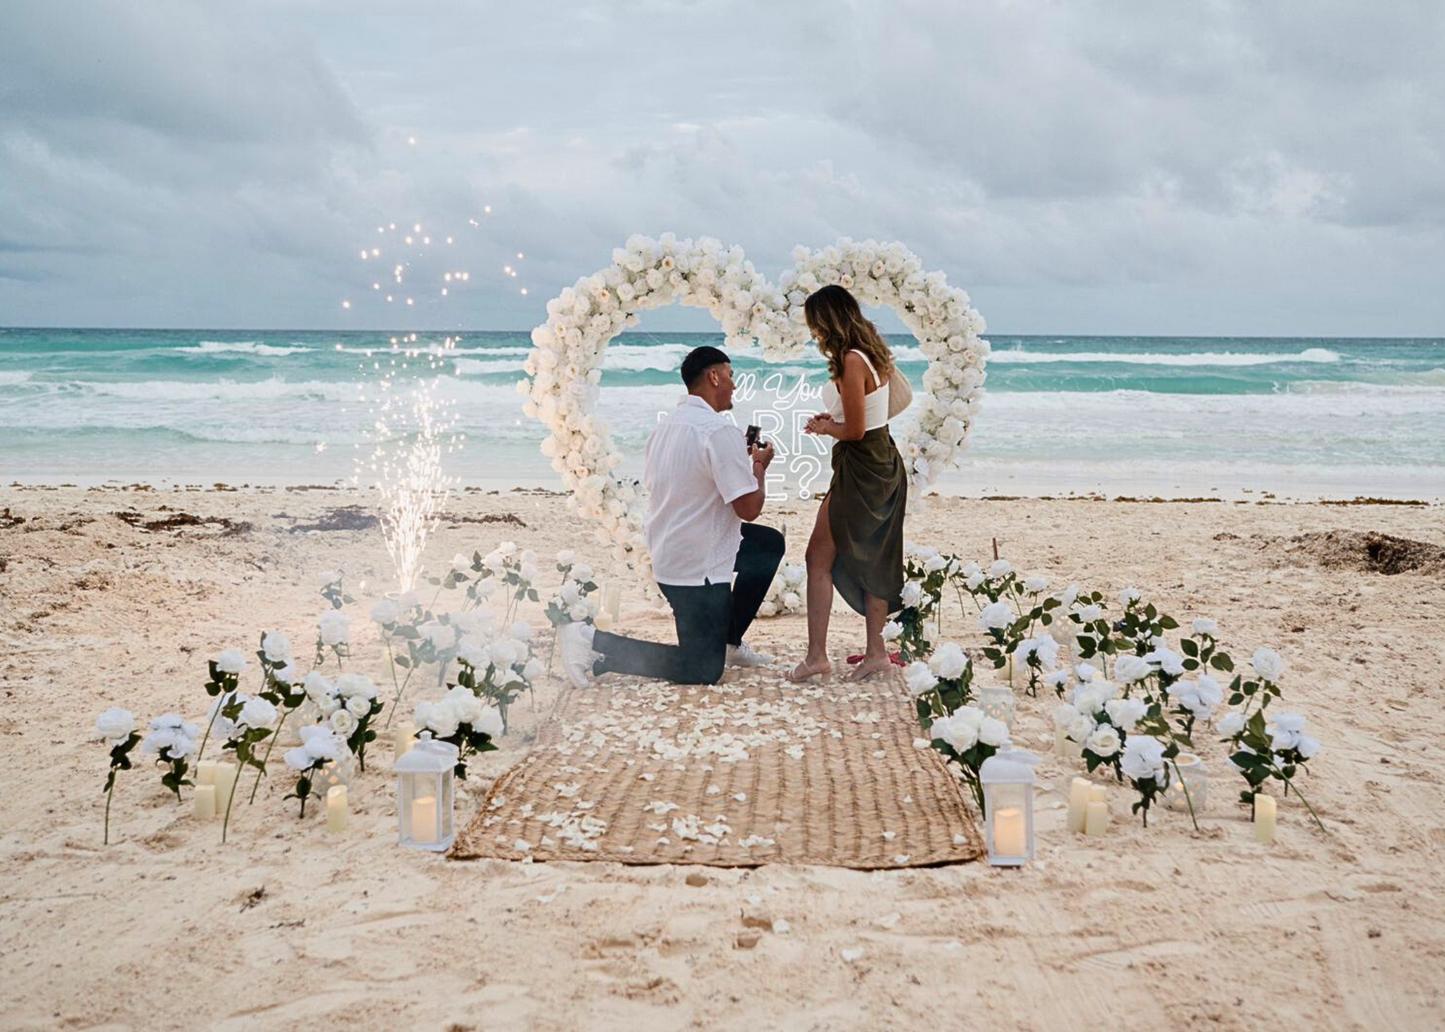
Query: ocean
[{"x": 1170, "y": 416}]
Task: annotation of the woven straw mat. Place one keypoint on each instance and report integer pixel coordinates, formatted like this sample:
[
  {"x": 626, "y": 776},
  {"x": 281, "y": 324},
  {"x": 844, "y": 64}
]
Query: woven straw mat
[{"x": 734, "y": 775}]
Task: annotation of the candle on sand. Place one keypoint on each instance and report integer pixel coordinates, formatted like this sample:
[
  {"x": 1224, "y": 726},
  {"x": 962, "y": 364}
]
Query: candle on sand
[
  {"x": 336, "y": 808},
  {"x": 1264, "y": 818},
  {"x": 1078, "y": 803}
]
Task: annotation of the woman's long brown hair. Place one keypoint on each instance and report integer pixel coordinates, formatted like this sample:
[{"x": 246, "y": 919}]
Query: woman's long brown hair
[{"x": 839, "y": 326}]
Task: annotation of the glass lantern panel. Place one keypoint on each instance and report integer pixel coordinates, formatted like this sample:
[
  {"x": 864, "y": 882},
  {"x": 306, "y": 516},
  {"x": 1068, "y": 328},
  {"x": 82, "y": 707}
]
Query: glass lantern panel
[
  {"x": 444, "y": 792},
  {"x": 421, "y": 817}
]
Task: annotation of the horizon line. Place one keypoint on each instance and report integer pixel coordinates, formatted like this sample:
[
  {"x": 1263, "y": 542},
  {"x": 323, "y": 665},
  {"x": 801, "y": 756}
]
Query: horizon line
[{"x": 713, "y": 333}]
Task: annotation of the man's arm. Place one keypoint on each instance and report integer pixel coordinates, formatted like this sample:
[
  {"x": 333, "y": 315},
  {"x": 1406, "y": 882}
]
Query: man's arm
[{"x": 750, "y": 506}]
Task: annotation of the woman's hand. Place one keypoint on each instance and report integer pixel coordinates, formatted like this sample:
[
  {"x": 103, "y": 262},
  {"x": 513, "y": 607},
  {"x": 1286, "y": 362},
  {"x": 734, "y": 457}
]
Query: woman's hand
[{"x": 821, "y": 424}]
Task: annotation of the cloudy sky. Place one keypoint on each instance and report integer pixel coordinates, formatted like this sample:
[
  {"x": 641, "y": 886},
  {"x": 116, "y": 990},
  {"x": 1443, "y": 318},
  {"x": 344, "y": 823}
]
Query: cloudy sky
[{"x": 1082, "y": 167}]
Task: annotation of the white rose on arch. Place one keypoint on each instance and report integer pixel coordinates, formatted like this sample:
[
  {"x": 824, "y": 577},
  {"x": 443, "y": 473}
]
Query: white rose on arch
[{"x": 568, "y": 349}]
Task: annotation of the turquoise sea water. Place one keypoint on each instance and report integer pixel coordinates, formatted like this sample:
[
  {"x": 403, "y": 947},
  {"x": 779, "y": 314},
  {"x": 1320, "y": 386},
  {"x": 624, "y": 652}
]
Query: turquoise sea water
[{"x": 1303, "y": 416}]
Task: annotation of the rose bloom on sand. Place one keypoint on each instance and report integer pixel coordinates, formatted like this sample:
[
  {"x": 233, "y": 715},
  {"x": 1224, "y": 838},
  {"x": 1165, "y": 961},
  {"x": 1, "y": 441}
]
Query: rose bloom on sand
[
  {"x": 334, "y": 627},
  {"x": 919, "y": 678},
  {"x": 1267, "y": 664},
  {"x": 948, "y": 662},
  {"x": 115, "y": 724},
  {"x": 231, "y": 661},
  {"x": 996, "y": 616}
]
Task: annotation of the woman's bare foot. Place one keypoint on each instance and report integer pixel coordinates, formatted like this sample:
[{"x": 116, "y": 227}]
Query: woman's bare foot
[
  {"x": 870, "y": 666},
  {"x": 806, "y": 671}
]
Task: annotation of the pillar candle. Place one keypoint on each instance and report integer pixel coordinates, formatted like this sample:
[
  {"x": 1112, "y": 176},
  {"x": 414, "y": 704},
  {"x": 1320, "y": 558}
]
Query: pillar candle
[
  {"x": 612, "y": 599},
  {"x": 424, "y": 819},
  {"x": 405, "y": 738},
  {"x": 1264, "y": 818},
  {"x": 1097, "y": 820},
  {"x": 1098, "y": 794},
  {"x": 1078, "y": 803},
  {"x": 206, "y": 773},
  {"x": 225, "y": 784},
  {"x": 336, "y": 808},
  {"x": 205, "y": 804},
  {"x": 1009, "y": 838},
  {"x": 603, "y": 621}
]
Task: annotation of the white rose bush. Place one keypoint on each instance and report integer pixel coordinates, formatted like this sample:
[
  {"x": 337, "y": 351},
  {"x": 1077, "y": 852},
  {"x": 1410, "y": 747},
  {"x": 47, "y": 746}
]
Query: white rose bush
[{"x": 564, "y": 370}]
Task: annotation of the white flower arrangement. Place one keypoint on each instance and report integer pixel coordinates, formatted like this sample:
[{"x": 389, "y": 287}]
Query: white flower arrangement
[
  {"x": 497, "y": 667},
  {"x": 346, "y": 706},
  {"x": 788, "y": 592},
  {"x": 968, "y": 737},
  {"x": 573, "y": 601},
  {"x": 1158, "y": 693},
  {"x": 462, "y": 719},
  {"x": 564, "y": 370},
  {"x": 319, "y": 746}
]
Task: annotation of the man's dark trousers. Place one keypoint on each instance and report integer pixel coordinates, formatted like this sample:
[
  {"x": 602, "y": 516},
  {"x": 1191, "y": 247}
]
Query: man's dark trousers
[{"x": 709, "y": 618}]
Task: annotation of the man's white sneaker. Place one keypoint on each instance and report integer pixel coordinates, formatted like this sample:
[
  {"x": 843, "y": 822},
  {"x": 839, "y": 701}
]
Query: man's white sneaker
[
  {"x": 742, "y": 656},
  {"x": 577, "y": 655}
]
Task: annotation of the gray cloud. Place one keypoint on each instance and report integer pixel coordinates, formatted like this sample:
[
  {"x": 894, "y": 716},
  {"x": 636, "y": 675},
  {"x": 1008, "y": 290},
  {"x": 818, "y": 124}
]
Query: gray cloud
[{"x": 1092, "y": 167}]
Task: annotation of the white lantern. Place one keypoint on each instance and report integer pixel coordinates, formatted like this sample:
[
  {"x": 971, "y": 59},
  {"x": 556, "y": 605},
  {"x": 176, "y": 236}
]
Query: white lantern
[
  {"x": 424, "y": 794},
  {"x": 997, "y": 701},
  {"x": 1191, "y": 775},
  {"x": 1008, "y": 807}
]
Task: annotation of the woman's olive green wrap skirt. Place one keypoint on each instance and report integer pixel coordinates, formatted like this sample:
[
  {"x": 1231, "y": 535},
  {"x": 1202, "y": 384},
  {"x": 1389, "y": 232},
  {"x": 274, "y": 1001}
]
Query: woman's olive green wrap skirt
[{"x": 866, "y": 501}]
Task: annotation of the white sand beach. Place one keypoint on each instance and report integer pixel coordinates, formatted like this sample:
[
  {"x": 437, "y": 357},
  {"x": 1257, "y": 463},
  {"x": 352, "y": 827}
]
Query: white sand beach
[{"x": 286, "y": 925}]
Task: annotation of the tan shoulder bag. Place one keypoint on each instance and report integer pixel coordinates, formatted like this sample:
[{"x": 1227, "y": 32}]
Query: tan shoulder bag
[{"x": 900, "y": 392}]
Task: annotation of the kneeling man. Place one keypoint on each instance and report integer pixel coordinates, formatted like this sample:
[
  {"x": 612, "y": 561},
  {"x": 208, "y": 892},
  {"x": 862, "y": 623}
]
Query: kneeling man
[{"x": 706, "y": 487}]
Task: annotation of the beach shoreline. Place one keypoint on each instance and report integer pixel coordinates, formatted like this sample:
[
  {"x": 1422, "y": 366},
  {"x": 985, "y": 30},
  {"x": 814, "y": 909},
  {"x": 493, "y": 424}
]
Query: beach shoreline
[{"x": 1128, "y": 491}]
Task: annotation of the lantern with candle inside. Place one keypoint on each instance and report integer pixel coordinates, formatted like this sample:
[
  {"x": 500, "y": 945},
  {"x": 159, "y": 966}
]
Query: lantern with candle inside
[
  {"x": 1008, "y": 807},
  {"x": 1191, "y": 775},
  {"x": 997, "y": 701},
  {"x": 424, "y": 791},
  {"x": 332, "y": 774}
]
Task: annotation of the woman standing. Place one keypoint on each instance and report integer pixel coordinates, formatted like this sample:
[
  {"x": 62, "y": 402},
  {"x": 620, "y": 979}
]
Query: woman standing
[{"x": 857, "y": 542}]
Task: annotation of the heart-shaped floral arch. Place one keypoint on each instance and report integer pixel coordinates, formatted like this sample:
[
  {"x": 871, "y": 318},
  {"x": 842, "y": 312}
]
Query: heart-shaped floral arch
[{"x": 565, "y": 367}]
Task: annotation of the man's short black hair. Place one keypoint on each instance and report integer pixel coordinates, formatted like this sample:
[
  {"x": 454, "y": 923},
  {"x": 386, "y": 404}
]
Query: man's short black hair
[{"x": 699, "y": 361}]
